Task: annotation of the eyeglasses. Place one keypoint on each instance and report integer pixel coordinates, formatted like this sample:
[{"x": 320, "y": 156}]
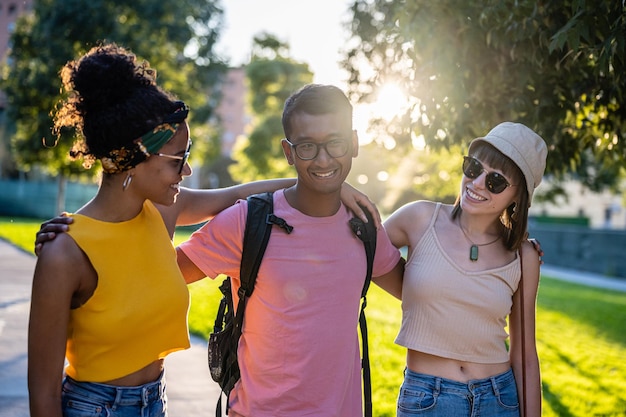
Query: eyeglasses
[
  {"x": 495, "y": 182},
  {"x": 183, "y": 159},
  {"x": 307, "y": 151}
]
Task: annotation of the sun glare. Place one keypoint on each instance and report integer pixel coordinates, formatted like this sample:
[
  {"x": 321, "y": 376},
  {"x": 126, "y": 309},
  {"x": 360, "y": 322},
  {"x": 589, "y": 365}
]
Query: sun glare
[{"x": 391, "y": 101}]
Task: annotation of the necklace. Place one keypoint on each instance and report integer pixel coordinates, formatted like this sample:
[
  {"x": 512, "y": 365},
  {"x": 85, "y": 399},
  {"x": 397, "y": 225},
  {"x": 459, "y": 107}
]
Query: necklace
[{"x": 473, "y": 254}]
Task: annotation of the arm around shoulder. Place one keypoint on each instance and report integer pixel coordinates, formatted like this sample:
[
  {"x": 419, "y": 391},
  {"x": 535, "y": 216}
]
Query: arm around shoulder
[
  {"x": 195, "y": 206},
  {"x": 190, "y": 271},
  {"x": 392, "y": 280}
]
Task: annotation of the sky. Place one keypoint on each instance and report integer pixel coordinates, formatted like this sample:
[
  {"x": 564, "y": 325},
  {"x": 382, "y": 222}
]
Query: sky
[
  {"x": 314, "y": 30},
  {"x": 311, "y": 28}
]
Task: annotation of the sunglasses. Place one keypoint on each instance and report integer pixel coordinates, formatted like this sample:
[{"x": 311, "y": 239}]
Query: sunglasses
[
  {"x": 183, "y": 159},
  {"x": 495, "y": 182}
]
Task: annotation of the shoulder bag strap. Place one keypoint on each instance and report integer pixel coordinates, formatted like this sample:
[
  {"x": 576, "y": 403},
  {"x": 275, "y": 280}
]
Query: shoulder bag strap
[{"x": 522, "y": 332}]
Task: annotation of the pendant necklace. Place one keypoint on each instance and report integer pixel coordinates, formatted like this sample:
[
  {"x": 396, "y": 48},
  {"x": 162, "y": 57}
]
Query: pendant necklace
[{"x": 473, "y": 254}]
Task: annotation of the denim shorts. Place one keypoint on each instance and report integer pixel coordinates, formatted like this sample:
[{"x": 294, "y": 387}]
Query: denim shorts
[
  {"x": 427, "y": 395},
  {"x": 90, "y": 399}
]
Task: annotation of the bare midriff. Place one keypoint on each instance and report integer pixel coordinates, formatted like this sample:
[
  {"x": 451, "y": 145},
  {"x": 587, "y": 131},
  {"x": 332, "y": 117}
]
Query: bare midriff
[
  {"x": 453, "y": 369},
  {"x": 145, "y": 375}
]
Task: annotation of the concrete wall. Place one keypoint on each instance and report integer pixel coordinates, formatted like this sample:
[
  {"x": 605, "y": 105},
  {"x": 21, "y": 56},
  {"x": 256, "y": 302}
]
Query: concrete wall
[{"x": 599, "y": 251}]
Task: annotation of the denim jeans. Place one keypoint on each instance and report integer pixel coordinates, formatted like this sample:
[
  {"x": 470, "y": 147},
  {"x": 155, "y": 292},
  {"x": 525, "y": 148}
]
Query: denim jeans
[
  {"x": 90, "y": 399},
  {"x": 427, "y": 395}
]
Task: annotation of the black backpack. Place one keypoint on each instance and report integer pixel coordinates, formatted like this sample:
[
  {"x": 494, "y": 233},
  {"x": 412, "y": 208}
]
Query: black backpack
[{"x": 224, "y": 340}]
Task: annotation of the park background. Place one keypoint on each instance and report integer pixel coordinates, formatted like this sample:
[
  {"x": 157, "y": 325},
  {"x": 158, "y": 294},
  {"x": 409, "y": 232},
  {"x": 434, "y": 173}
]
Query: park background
[{"x": 426, "y": 77}]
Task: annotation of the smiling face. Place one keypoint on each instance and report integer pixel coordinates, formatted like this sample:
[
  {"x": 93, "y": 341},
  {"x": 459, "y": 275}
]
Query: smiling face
[
  {"x": 490, "y": 167},
  {"x": 510, "y": 207},
  {"x": 476, "y": 196},
  {"x": 323, "y": 174},
  {"x": 159, "y": 177}
]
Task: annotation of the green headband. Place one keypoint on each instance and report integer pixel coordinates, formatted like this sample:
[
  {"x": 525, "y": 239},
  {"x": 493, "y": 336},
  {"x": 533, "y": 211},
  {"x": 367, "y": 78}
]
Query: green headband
[
  {"x": 125, "y": 158},
  {"x": 157, "y": 137}
]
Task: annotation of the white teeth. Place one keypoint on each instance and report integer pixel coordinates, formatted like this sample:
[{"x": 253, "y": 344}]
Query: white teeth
[
  {"x": 474, "y": 195},
  {"x": 324, "y": 175}
]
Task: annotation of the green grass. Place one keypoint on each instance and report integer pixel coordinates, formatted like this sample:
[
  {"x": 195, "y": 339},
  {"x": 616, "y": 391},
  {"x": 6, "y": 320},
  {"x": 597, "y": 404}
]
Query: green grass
[
  {"x": 19, "y": 231},
  {"x": 581, "y": 339}
]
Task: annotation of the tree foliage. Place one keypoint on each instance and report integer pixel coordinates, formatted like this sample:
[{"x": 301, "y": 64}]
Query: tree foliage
[
  {"x": 554, "y": 65},
  {"x": 272, "y": 77},
  {"x": 177, "y": 38}
]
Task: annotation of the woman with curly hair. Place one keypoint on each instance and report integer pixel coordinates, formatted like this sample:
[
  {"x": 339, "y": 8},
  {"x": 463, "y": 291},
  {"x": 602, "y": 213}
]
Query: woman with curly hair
[{"x": 108, "y": 295}]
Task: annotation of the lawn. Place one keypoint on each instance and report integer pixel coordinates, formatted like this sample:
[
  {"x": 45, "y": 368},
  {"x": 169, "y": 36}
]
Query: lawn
[{"x": 581, "y": 339}]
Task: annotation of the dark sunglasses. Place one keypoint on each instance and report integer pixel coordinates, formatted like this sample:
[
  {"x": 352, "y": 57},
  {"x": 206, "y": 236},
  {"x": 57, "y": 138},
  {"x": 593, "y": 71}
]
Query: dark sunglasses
[
  {"x": 183, "y": 159},
  {"x": 495, "y": 182}
]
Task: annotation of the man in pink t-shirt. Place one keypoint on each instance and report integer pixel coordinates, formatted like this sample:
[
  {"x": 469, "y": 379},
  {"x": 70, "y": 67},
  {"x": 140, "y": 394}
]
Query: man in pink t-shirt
[{"x": 298, "y": 352}]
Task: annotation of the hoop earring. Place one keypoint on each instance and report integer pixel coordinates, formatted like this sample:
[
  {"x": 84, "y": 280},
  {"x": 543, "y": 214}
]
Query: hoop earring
[{"x": 127, "y": 181}]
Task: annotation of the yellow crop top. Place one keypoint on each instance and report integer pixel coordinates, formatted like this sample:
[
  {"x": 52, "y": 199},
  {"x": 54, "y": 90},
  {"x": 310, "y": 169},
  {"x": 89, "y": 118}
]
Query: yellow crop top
[
  {"x": 451, "y": 312},
  {"x": 138, "y": 312}
]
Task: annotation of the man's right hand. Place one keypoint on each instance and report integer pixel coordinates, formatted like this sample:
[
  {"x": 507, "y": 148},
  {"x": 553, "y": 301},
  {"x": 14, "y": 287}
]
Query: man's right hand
[{"x": 49, "y": 230}]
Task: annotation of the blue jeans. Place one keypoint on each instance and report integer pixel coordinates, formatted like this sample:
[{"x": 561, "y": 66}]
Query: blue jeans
[
  {"x": 427, "y": 395},
  {"x": 90, "y": 399}
]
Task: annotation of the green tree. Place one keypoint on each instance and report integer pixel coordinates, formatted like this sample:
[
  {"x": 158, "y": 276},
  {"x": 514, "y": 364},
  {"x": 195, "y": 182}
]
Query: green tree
[
  {"x": 177, "y": 38},
  {"x": 272, "y": 77},
  {"x": 555, "y": 65}
]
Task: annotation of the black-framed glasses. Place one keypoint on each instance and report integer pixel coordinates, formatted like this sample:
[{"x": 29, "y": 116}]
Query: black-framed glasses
[
  {"x": 336, "y": 148},
  {"x": 183, "y": 159},
  {"x": 495, "y": 182}
]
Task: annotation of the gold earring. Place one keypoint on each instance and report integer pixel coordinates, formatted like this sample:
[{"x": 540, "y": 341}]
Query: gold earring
[
  {"x": 127, "y": 181},
  {"x": 515, "y": 213}
]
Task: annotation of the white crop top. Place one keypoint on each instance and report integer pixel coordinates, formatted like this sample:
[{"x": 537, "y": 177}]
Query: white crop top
[{"x": 453, "y": 313}]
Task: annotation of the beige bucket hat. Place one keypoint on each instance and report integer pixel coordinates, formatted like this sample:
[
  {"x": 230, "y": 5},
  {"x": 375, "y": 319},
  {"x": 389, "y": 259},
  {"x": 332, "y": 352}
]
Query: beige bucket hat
[{"x": 523, "y": 146}]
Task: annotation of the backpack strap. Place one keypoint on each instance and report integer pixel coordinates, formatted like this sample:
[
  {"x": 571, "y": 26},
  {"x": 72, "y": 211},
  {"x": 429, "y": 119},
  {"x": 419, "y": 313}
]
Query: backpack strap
[
  {"x": 256, "y": 236},
  {"x": 367, "y": 233},
  {"x": 257, "y": 233}
]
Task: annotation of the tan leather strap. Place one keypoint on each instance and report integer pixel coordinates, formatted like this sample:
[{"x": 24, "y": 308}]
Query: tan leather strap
[{"x": 523, "y": 333}]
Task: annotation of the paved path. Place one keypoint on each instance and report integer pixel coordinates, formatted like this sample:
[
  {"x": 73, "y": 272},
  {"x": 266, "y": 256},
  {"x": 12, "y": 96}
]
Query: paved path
[
  {"x": 584, "y": 278},
  {"x": 191, "y": 391}
]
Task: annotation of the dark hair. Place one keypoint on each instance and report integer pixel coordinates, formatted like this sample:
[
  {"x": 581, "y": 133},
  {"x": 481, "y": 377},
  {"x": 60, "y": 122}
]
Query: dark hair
[
  {"x": 113, "y": 100},
  {"x": 315, "y": 99},
  {"x": 514, "y": 218}
]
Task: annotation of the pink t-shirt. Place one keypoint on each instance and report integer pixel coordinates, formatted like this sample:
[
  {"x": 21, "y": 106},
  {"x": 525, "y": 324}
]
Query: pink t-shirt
[{"x": 299, "y": 352}]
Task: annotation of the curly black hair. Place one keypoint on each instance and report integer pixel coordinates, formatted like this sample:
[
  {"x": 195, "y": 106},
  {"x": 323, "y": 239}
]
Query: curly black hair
[{"x": 113, "y": 99}]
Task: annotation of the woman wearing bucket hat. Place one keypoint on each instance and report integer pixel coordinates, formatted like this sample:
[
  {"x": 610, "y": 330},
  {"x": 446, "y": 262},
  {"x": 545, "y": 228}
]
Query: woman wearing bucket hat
[{"x": 463, "y": 279}]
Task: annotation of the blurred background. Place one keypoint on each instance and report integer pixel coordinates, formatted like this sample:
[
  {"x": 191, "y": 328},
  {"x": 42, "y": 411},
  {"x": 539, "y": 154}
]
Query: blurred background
[{"x": 425, "y": 79}]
